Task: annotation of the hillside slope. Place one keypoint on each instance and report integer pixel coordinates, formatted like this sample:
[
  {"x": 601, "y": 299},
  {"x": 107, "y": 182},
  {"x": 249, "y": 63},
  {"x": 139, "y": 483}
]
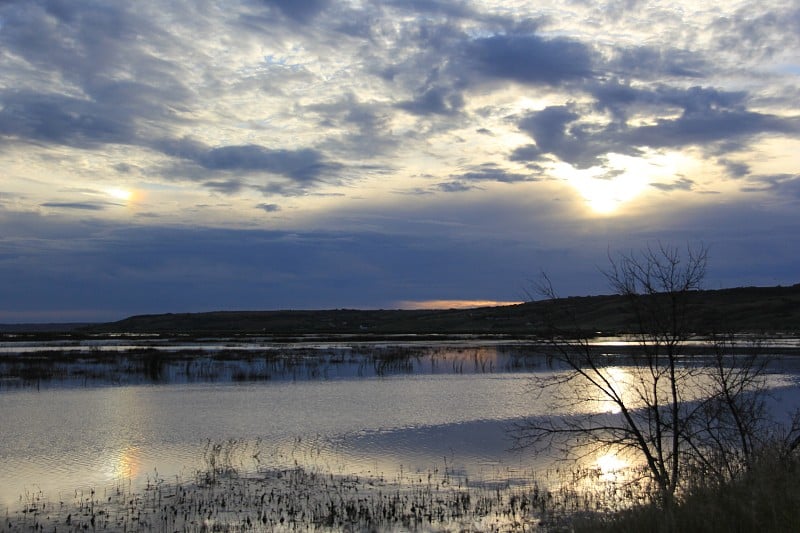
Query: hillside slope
[{"x": 747, "y": 309}]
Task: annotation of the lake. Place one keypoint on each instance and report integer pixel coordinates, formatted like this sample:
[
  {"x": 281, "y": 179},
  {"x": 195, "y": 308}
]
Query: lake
[{"x": 94, "y": 421}]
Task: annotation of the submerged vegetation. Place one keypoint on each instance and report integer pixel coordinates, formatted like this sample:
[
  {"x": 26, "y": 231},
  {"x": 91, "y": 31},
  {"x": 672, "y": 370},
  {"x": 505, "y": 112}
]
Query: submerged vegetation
[
  {"x": 221, "y": 497},
  {"x": 217, "y": 362}
]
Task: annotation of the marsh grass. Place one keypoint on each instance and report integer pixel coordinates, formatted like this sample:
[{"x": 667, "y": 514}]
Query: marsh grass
[
  {"x": 224, "y": 497},
  {"x": 94, "y": 366},
  {"x": 764, "y": 498}
]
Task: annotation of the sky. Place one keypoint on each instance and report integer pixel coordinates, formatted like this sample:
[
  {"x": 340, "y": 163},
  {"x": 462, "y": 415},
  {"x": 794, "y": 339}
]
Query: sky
[{"x": 186, "y": 156}]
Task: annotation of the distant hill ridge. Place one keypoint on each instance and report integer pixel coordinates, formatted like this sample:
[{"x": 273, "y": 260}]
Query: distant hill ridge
[{"x": 744, "y": 309}]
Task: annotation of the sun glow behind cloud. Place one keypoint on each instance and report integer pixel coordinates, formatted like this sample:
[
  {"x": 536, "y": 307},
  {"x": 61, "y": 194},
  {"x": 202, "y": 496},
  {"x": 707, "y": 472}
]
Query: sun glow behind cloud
[
  {"x": 124, "y": 195},
  {"x": 607, "y": 190},
  {"x": 452, "y": 304}
]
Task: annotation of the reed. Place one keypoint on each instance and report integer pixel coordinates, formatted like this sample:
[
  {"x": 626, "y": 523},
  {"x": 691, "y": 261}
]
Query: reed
[{"x": 223, "y": 497}]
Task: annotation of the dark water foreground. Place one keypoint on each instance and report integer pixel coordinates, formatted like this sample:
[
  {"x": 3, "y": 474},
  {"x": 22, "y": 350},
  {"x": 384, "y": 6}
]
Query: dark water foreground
[{"x": 299, "y": 499}]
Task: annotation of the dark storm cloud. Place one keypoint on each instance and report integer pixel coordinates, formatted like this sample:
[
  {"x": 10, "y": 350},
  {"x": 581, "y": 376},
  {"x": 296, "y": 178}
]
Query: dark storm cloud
[
  {"x": 735, "y": 169},
  {"x": 58, "y": 119},
  {"x": 455, "y": 186},
  {"x": 709, "y": 125},
  {"x": 303, "y": 165},
  {"x": 477, "y": 174},
  {"x": 435, "y": 7},
  {"x": 434, "y": 101},
  {"x": 225, "y": 187},
  {"x": 299, "y": 10},
  {"x": 441, "y": 64},
  {"x": 491, "y": 172},
  {"x": 782, "y": 185},
  {"x": 622, "y": 99},
  {"x": 529, "y": 59},
  {"x": 712, "y": 119},
  {"x": 557, "y": 131},
  {"x": 528, "y": 152},
  {"x": 114, "y": 115},
  {"x": 82, "y": 206},
  {"x": 269, "y": 208}
]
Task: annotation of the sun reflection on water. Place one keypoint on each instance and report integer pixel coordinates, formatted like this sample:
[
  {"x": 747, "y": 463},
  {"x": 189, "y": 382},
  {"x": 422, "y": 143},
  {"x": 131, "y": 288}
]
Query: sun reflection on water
[
  {"x": 609, "y": 464},
  {"x": 125, "y": 464},
  {"x": 617, "y": 378}
]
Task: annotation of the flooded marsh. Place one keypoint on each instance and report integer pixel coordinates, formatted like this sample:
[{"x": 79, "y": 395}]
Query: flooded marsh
[{"x": 374, "y": 435}]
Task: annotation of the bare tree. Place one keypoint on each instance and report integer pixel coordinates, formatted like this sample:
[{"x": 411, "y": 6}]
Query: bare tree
[{"x": 673, "y": 411}]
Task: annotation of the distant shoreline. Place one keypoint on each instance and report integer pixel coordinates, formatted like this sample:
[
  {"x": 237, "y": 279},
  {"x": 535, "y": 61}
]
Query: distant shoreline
[{"x": 769, "y": 310}]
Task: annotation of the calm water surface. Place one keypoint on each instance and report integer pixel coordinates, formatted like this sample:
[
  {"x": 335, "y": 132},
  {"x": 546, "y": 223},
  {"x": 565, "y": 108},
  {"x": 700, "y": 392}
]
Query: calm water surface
[
  {"x": 64, "y": 439},
  {"x": 61, "y": 439}
]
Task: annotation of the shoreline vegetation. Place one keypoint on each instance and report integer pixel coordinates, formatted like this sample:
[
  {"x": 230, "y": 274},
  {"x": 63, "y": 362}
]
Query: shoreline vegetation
[
  {"x": 124, "y": 360},
  {"x": 741, "y": 310},
  {"x": 223, "y": 498}
]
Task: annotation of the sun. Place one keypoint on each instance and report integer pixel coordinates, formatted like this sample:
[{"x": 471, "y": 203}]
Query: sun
[
  {"x": 609, "y": 464},
  {"x": 125, "y": 195},
  {"x": 604, "y": 192},
  {"x": 607, "y": 188},
  {"x": 606, "y": 196}
]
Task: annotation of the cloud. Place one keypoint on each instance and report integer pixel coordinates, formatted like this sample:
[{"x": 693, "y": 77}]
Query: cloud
[
  {"x": 299, "y": 10},
  {"x": 455, "y": 186},
  {"x": 434, "y": 101},
  {"x": 269, "y": 208},
  {"x": 782, "y": 185},
  {"x": 365, "y": 127},
  {"x": 492, "y": 172},
  {"x": 735, "y": 169},
  {"x": 428, "y": 249},
  {"x": 558, "y": 131},
  {"x": 528, "y": 152},
  {"x": 304, "y": 165},
  {"x": 91, "y": 66},
  {"x": 623, "y": 99},
  {"x": 758, "y": 36},
  {"x": 681, "y": 184},
  {"x": 699, "y": 127},
  {"x": 61, "y": 120},
  {"x": 82, "y": 206},
  {"x": 385, "y": 107},
  {"x": 225, "y": 187},
  {"x": 529, "y": 59},
  {"x": 651, "y": 63},
  {"x": 445, "y": 8},
  {"x": 301, "y": 165},
  {"x": 712, "y": 119}
]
